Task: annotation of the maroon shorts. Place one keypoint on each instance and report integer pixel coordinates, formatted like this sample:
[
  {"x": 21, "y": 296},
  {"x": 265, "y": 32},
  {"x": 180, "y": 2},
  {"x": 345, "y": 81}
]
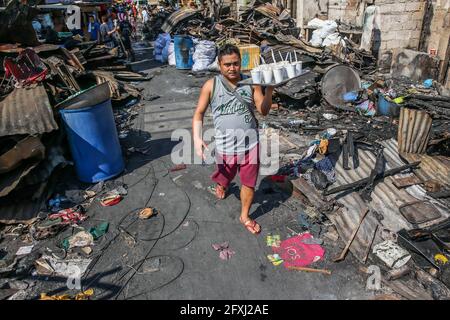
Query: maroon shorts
[{"x": 228, "y": 165}]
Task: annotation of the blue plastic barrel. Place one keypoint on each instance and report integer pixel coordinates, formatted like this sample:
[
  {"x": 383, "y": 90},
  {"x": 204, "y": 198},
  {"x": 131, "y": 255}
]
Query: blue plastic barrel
[
  {"x": 387, "y": 108},
  {"x": 184, "y": 51},
  {"x": 93, "y": 141}
]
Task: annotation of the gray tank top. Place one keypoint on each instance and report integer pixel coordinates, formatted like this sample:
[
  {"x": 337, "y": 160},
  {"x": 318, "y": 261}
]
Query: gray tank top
[{"x": 236, "y": 130}]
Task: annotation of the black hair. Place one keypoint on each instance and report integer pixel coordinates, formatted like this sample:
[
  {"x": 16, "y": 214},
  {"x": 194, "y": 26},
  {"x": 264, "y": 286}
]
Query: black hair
[{"x": 228, "y": 49}]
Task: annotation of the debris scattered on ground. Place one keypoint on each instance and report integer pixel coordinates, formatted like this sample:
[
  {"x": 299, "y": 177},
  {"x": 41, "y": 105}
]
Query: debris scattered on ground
[
  {"x": 225, "y": 253},
  {"x": 296, "y": 253},
  {"x": 146, "y": 213},
  {"x": 85, "y": 295}
]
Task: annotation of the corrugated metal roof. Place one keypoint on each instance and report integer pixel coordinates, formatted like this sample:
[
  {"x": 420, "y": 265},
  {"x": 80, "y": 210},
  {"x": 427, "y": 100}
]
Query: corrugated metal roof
[
  {"x": 386, "y": 199},
  {"x": 24, "y": 210},
  {"x": 413, "y": 130},
  {"x": 431, "y": 168},
  {"x": 26, "y": 111},
  {"x": 176, "y": 17}
]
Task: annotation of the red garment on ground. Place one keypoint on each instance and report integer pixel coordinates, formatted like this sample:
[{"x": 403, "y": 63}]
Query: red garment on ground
[
  {"x": 295, "y": 253},
  {"x": 69, "y": 216}
]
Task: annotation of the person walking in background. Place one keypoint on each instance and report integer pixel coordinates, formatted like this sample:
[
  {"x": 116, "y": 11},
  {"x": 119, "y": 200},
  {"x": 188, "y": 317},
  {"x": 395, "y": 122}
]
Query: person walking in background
[
  {"x": 94, "y": 29},
  {"x": 125, "y": 30},
  {"x": 106, "y": 33}
]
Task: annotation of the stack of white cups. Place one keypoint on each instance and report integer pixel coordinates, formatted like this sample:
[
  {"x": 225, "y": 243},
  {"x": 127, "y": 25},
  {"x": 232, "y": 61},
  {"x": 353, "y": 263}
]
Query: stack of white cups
[{"x": 276, "y": 72}]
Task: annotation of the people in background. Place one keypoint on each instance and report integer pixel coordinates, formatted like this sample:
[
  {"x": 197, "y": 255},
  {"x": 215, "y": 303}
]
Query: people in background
[
  {"x": 106, "y": 33},
  {"x": 93, "y": 29},
  {"x": 125, "y": 29},
  {"x": 145, "y": 15}
]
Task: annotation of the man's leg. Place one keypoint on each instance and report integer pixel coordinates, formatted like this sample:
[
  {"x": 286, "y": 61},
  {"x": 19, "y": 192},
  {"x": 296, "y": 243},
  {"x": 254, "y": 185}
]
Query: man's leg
[
  {"x": 247, "y": 194},
  {"x": 248, "y": 172},
  {"x": 226, "y": 169}
]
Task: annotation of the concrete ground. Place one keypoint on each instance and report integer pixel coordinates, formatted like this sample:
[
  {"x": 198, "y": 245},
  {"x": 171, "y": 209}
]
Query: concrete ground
[{"x": 190, "y": 220}]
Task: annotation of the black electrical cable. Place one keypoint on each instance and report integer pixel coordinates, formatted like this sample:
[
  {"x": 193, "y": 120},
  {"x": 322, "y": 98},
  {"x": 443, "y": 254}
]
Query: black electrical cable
[
  {"x": 141, "y": 262},
  {"x": 120, "y": 222},
  {"x": 165, "y": 284}
]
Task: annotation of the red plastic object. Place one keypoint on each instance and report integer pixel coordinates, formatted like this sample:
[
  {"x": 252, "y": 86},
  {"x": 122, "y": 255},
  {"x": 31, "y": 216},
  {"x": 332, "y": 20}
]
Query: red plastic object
[
  {"x": 278, "y": 178},
  {"x": 178, "y": 167},
  {"x": 27, "y": 68},
  {"x": 111, "y": 201}
]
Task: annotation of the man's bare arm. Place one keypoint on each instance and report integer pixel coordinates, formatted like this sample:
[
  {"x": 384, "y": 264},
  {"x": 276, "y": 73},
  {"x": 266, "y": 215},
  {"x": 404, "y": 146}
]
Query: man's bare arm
[
  {"x": 262, "y": 102},
  {"x": 197, "y": 119}
]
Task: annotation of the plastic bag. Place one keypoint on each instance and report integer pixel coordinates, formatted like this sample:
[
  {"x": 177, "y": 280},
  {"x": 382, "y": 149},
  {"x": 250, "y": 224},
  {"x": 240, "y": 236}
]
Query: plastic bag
[
  {"x": 171, "y": 51},
  {"x": 214, "y": 66},
  {"x": 332, "y": 40},
  {"x": 316, "y": 23},
  {"x": 161, "y": 47},
  {"x": 204, "y": 55}
]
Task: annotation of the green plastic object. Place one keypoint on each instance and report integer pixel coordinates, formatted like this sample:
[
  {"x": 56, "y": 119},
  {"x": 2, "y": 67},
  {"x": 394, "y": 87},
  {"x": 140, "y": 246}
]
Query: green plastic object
[{"x": 99, "y": 230}]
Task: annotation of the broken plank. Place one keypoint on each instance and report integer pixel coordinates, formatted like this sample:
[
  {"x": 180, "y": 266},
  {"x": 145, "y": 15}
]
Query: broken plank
[
  {"x": 314, "y": 197},
  {"x": 352, "y": 237},
  {"x": 407, "y": 291},
  {"x": 346, "y": 220},
  {"x": 406, "y": 182}
]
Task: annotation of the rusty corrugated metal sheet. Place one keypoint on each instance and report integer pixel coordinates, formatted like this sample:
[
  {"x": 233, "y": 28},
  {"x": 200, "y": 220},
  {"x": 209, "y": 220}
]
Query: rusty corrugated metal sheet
[
  {"x": 26, "y": 111},
  {"x": 431, "y": 168},
  {"x": 413, "y": 131},
  {"x": 386, "y": 199},
  {"x": 176, "y": 17},
  {"x": 24, "y": 210},
  {"x": 269, "y": 11}
]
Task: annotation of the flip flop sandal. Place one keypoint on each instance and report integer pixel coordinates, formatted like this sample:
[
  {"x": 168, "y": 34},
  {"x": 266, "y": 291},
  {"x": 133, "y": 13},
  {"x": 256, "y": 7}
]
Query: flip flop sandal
[
  {"x": 111, "y": 200},
  {"x": 213, "y": 190},
  {"x": 147, "y": 213},
  {"x": 250, "y": 225}
]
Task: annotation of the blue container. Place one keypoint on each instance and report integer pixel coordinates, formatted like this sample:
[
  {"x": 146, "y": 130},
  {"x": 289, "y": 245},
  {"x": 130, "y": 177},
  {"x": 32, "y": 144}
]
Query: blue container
[
  {"x": 94, "y": 142},
  {"x": 387, "y": 108},
  {"x": 184, "y": 51}
]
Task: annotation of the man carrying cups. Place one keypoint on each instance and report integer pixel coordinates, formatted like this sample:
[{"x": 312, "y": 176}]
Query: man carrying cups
[{"x": 236, "y": 129}]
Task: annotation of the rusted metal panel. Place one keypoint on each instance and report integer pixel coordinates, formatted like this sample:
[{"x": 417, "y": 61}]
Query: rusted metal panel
[
  {"x": 431, "y": 168},
  {"x": 24, "y": 208},
  {"x": 26, "y": 111},
  {"x": 419, "y": 212},
  {"x": 386, "y": 200},
  {"x": 29, "y": 147},
  {"x": 413, "y": 131},
  {"x": 406, "y": 182},
  {"x": 176, "y": 17}
]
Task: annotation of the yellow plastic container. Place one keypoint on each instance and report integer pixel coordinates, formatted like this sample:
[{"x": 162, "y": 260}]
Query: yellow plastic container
[{"x": 249, "y": 56}]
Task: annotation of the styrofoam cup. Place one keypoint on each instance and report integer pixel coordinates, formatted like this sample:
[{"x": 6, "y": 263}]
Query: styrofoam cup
[
  {"x": 256, "y": 75},
  {"x": 268, "y": 75},
  {"x": 298, "y": 67},
  {"x": 291, "y": 70},
  {"x": 278, "y": 74}
]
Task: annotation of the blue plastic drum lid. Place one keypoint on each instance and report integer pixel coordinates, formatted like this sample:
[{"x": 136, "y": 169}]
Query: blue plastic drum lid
[
  {"x": 387, "y": 108},
  {"x": 93, "y": 141},
  {"x": 184, "y": 51}
]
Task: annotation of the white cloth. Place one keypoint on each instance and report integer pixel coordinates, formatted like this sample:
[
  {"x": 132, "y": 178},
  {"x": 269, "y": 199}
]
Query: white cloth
[{"x": 144, "y": 16}]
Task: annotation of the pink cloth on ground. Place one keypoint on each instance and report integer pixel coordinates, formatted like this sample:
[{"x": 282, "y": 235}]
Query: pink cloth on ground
[{"x": 295, "y": 253}]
